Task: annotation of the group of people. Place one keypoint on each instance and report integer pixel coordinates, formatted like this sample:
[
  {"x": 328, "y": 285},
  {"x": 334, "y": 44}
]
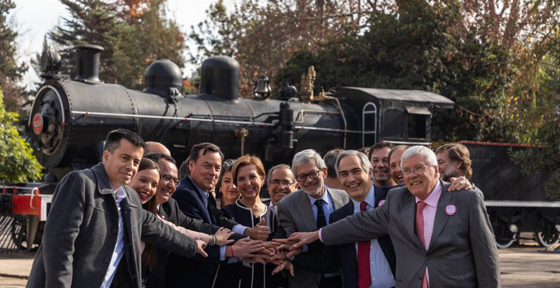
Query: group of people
[{"x": 384, "y": 218}]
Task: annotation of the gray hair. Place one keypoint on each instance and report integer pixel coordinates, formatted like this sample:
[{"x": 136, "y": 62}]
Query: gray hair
[
  {"x": 271, "y": 170},
  {"x": 366, "y": 165},
  {"x": 423, "y": 151},
  {"x": 305, "y": 156}
]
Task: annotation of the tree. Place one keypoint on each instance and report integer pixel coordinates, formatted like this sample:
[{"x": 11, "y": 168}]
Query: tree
[
  {"x": 10, "y": 71},
  {"x": 90, "y": 22},
  {"x": 134, "y": 33},
  {"x": 263, "y": 36},
  {"x": 416, "y": 46},
  {"x": 16, "y": 156}
]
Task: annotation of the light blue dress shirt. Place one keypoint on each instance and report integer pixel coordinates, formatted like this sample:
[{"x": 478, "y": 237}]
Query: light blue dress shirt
[{"x": 381, "y": 274}]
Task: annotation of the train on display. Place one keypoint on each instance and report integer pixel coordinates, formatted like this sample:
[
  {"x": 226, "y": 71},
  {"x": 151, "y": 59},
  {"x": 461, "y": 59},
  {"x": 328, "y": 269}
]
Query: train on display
[{"x": 70, "y": 118}]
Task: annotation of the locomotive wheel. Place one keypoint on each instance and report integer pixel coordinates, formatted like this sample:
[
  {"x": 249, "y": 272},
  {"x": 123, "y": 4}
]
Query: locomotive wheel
[
  {"x": 503, "y": 244},
  {"x": 547, "y": 242}
]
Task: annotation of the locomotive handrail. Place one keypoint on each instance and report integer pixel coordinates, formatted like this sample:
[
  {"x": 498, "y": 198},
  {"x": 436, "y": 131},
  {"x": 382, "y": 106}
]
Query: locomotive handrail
[
  {"x": 301, "y": 127},
  {"x": 509, "y": 203}
]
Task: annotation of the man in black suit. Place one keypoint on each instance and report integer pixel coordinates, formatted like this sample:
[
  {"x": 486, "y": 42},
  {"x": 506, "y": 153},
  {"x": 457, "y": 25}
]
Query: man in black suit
[
  {"x": 194, "y": 200},
  {"x": 378, "y": 255}
]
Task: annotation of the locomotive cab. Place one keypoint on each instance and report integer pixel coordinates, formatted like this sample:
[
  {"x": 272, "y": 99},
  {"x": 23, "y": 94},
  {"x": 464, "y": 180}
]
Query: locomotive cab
[{"x": 397, "y": 116}]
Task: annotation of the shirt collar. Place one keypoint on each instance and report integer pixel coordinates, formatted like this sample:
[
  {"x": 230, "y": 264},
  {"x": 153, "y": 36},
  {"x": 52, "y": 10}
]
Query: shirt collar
[
  {"x": 202, "y": 192},
  {"x": 370, "y": 199},
  {"x": 120, "y": 194},
  {"x": 325, "y": 197},
  {"x": 433, "y": 198}
]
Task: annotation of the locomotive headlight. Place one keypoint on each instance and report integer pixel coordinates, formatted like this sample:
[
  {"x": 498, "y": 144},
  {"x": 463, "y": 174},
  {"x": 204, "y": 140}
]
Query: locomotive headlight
[{"x": 513, "y": 228}]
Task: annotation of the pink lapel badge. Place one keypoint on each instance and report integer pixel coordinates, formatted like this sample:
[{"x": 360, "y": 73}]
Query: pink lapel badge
[
  {"x": 450, "y": 210},
  {"x": 381, "y": 202}
]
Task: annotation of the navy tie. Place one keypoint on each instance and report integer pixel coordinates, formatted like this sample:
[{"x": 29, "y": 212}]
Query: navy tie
[{"x": 321, "y": 219}]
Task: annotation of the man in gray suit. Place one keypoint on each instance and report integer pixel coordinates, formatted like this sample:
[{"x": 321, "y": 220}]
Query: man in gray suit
[
  {"x": 441, "y": 239},
  {"x": 92, "y": 235},
  {"x": 308, "y": 209}
]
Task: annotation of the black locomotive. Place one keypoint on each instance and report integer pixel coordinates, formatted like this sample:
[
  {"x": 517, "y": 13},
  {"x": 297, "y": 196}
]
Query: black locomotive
[{"x": 70, "y": 117}]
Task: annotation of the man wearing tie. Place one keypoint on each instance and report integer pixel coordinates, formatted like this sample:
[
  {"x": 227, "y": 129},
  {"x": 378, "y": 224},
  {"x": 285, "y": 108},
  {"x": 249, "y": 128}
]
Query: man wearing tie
[
  {"x": 168, "y": 209},
  {"x": 194, "y": 200},
  {"x": 441, "y": 239},
  {"x": 363, "y": 264},
  {"x": 308, "y": 209}
]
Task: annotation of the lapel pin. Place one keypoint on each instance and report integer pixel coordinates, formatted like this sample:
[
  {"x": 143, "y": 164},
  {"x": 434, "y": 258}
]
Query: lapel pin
[
  {"x": 450, "y": 210},
  {"x": 381, "y": 203}
]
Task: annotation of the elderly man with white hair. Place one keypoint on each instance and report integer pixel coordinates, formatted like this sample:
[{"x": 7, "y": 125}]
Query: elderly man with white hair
[{"x": 441, "y": 239}]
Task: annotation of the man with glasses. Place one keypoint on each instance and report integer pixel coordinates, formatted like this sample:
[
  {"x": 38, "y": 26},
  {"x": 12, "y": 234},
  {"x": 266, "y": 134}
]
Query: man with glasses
[
  {"x": 280, "y": 183},
  {"x": 308, "y": 209},
  {"x": 441, "y": 239}
]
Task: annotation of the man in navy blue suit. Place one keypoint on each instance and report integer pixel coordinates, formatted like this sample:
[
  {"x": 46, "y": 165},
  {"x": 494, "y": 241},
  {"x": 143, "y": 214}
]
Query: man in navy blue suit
[{"x": 194, "y": 200}]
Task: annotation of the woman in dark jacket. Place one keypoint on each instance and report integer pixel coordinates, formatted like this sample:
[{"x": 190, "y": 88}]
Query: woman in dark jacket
[{"x": 249, "y": 176}]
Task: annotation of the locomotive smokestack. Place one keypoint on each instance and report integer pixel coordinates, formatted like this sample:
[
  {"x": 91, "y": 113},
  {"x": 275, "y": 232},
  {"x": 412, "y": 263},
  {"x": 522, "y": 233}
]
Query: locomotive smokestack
[
  {"x": 220, "y": 77},
  {"x": 87, "y": 59}
]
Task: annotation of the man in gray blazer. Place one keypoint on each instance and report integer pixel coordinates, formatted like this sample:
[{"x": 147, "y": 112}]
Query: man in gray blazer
[
  {"x": 299, "y": 212},
  {"x": 92, "y": 235},
  {"x": 441, "y": 239}
]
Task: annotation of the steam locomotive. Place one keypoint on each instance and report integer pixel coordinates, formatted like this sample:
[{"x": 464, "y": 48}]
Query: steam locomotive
[{"x": 70, "y": 118}]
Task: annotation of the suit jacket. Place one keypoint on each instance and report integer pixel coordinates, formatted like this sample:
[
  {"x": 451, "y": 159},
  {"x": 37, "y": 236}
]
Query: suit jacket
[
  {"x": 295, "y": 215},
  {"x": 343, "y": 256},
  {"x": 196, "y": 271},
  {"x": 170, "y": 211},
  {"x": 462, "y": 251},
  {"x": 81, "y": 233},
  {"x": 192, "y": 204}
]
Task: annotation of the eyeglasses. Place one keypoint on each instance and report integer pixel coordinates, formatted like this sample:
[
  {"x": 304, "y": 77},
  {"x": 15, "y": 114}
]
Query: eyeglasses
[
  {"x": 168, "y": 178},
  {"x": 417, "y": 170},
  {"x": 313, "y": 175},
  {"x": 283, "y": 182}
]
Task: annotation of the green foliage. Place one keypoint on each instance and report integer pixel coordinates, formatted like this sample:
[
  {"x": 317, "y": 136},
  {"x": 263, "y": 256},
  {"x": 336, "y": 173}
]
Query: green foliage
[
  {"x": 10, "y": 71},
  {"x": 132, "y": 40},
  {"x": 546, "y": 158},
  {"x": 416, "y": 46},
  {"x": 17, "y": 163}
]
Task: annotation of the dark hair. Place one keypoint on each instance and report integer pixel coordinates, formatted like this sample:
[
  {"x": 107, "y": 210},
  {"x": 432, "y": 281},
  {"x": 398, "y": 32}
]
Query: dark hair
[
  {"x": 377, "y": 146},
  {"x": 156, "y": 156},
  {"x": 226, "y": 167},
  {"x": 204, "y": 147},
  {"x": 184, "y": 169},
  {"x": 330, "y": 161},
  {"x": 364, "y": 150},
  {"x": 244, "y": 161},
  {"x": 113, "y": 140},
  {"x": 458, "y": 153},
  {"x": 149, "y": 255},
  {"x": 404, "y": 147}
]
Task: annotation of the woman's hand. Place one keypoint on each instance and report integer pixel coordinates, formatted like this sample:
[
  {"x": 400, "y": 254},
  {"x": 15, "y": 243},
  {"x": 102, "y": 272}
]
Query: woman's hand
[{"x": 222, "y": 235}]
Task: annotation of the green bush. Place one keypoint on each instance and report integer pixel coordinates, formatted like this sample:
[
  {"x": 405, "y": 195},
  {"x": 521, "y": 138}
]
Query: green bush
[{"x": 17, "y": 162}]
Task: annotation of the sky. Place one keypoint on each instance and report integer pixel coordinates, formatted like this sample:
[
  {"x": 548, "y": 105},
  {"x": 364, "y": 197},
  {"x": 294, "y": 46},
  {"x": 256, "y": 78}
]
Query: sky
[{"x": 33, "y": 18}]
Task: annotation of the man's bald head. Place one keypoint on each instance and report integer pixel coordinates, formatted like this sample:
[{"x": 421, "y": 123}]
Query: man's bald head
[{"x": 153, "y": 147}]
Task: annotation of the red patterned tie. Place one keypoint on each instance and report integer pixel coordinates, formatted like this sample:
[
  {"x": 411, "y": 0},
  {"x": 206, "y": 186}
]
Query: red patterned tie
[
  {"x": 419, "y": 227},
  {"x": 364, "y": 273}
]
